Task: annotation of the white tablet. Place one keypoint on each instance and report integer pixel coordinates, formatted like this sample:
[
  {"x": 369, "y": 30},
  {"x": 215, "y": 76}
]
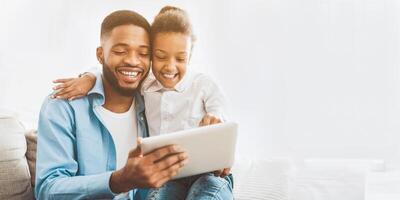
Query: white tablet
[{"x": 209, "y": 148}]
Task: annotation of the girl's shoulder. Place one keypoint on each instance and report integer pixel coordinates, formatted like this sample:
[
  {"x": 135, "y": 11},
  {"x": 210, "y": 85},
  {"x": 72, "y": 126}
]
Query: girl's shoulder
[{"x": 202, "y": 80}]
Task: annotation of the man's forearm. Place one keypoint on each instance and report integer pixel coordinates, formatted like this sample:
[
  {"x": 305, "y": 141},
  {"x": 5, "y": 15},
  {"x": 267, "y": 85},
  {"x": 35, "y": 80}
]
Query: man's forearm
[{"x": 76, "y": 187}]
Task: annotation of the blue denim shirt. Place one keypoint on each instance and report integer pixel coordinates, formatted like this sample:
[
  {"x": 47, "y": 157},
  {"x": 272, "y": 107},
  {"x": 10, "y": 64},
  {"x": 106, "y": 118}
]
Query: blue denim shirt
[{"x": 76, "y": 153}]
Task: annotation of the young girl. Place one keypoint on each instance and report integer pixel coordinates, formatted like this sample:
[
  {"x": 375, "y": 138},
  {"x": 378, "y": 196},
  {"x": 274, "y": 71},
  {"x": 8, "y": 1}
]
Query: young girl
[{"x": 176, "y": 98}]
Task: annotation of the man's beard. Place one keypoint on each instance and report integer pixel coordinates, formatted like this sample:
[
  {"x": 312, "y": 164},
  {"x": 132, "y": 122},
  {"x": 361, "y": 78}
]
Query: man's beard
[{"x": 113, "y": 81}]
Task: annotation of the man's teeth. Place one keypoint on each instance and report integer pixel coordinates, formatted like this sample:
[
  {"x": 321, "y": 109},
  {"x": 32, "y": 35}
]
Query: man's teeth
[
  {"x": 169, "y": 76},
  {"x": 128, "y": 73}
]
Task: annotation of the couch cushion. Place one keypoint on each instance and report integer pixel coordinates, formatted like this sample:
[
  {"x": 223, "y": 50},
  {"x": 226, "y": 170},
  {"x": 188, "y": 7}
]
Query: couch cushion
[
  {"x": 31, "y": 141},
  {"x": 261, "y": 179},
  {"x": 15, "y": 181}
]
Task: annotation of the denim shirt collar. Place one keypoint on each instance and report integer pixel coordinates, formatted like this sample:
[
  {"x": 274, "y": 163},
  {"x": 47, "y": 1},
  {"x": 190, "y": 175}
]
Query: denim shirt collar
[{"x": 96, "y": 95}]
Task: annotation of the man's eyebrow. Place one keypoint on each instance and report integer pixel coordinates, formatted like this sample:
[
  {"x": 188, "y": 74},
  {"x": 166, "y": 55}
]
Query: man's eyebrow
[
  {"x": 126, "y": 45},
  {"x": 120, "y": 44}
]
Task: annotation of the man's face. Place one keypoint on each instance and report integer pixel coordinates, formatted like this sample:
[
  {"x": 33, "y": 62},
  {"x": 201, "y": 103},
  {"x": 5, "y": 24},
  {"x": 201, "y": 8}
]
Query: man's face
[{"x": 125, "y": 55}]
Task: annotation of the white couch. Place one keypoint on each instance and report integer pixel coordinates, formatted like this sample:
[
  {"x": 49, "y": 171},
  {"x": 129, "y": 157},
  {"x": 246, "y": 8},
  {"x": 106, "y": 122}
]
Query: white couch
[
  {"x": 15, "y": 151},
  {"x": 254, "y": 179}
]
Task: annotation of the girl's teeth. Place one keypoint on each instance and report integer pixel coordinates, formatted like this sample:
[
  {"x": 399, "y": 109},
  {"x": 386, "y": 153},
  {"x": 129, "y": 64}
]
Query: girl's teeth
[{"x": 169, "y": 76}]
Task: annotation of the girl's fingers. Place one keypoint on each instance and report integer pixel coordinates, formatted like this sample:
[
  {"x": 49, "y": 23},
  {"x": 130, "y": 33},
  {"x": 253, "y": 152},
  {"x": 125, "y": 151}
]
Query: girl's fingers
[
  {"x": 217, "y": 173},
  {"x": 225, "y": 172},
  {"x": 65, "y": 96},
  {"x": 76, "y": 97},
  {"x": 63, "y": 91},
  {"x": 62, "y": 80},
  {"x": 66, "y": 93},
  {"x": 63, "y": 85},
  {"x": 215, "y": 120},
  {"x": 59, "y": 86}
]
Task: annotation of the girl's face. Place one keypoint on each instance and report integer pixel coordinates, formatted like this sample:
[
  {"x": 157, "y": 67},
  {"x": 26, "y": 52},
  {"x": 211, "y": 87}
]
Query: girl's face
[{"x": 171, "y": 52}]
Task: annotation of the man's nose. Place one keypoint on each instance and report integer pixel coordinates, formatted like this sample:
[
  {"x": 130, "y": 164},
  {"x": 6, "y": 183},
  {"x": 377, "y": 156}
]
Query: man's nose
[{"x": 132, "y": 59}]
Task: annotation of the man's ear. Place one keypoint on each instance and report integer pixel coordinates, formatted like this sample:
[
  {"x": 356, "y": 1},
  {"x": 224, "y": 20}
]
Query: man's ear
[{"x": 100, "y": 54}]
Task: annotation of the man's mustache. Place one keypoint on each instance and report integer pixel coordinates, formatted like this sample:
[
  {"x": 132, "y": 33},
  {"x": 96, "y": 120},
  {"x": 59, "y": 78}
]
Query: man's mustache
[{"x": 130, "y": 66}]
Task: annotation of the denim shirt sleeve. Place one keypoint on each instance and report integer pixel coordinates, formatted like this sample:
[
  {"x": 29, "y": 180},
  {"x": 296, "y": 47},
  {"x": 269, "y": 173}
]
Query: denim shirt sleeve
[{"x": 57, "y": 169}]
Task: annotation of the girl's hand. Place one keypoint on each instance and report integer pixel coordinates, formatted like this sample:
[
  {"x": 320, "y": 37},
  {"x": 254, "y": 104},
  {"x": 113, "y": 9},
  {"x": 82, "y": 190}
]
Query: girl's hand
[
  {"x": 73, "y": 88},
  {"x": 223, "y": 172},
  {"x": 209, "y": 119}
]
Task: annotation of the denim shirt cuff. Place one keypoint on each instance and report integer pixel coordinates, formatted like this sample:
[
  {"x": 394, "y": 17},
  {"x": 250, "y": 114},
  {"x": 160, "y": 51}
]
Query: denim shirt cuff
[{"x": 101, "y": 187}]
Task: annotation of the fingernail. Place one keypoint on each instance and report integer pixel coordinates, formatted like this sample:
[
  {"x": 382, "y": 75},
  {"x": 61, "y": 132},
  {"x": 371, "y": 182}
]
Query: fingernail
[
  {"x": 183, "y": 163},
  {"x": 177, "y": 148},
  {"x": 183, "y": 156}
]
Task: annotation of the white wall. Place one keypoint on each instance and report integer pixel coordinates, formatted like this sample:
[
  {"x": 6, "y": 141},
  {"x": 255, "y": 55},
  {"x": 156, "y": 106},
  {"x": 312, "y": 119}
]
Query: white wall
[{"x": 311, "y": 78}]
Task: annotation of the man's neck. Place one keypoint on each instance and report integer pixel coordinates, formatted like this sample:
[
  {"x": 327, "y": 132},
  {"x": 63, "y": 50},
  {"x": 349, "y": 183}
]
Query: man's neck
[{"x": 114, "y": 101}]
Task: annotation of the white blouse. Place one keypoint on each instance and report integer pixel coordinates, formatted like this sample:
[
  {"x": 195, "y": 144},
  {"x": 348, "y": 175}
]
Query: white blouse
[{"x": 170, "y": 110}]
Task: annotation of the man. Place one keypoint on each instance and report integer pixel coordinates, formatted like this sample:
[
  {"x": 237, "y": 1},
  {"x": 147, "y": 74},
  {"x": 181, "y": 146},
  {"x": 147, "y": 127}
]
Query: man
[{"x": 80, "y": 156}]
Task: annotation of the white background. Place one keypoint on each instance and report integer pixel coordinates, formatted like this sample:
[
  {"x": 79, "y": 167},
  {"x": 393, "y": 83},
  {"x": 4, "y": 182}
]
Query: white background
[{"x": 309, "y": 78}]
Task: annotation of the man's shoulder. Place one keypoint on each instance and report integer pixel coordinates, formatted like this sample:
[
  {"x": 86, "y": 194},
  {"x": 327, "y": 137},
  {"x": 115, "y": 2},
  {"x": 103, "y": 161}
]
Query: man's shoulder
[{"x": 62, "y": 105}]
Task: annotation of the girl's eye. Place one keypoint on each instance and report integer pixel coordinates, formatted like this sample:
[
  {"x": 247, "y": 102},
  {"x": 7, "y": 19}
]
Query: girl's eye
[
  {"x": 181, "y": 59},
  {"x": 160, "y": 57}
]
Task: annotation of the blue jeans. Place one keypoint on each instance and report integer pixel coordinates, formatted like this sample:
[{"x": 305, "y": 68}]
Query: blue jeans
[{"x": 199, "y": 187}]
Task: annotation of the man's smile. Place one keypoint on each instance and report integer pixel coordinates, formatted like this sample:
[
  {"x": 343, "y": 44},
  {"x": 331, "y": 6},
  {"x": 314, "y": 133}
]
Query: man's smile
[{"x": 130, "y": 74}]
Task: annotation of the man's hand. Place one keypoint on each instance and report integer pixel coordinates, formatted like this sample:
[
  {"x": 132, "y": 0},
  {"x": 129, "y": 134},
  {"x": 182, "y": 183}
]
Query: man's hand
[
  {"x": 148, "y": 171},
  {"x": 73, "y": 88},
  {"x": 223, "y": 172}
]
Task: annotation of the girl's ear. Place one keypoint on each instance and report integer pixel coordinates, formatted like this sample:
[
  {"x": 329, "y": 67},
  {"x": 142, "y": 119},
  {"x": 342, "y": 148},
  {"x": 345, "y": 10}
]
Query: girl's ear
[{"x": 100, "y": 55}]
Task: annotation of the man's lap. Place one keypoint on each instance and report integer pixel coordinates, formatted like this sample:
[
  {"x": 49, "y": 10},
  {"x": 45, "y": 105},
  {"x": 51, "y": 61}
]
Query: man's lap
[{"x": 200, "y": 187}]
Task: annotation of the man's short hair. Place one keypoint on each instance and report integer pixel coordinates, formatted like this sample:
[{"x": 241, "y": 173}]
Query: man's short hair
[{"x": 123, "y": 17}]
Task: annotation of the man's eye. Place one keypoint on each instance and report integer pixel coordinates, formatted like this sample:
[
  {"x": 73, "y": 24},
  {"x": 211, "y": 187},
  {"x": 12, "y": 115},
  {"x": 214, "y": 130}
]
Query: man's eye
[
  {"x": 119, "y": 52},
  {"x": 144, "y": 54},
  {"x": 181, "y": 59}
]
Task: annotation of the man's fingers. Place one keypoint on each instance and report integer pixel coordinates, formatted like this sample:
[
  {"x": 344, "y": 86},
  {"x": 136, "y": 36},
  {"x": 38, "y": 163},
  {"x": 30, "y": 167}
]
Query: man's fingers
[
  {"x": 172, "y": 170},
  {"x": 137, "y": 152},
  {"x": 163, "y": 151},
  {"x": 171, "y": 160}
]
